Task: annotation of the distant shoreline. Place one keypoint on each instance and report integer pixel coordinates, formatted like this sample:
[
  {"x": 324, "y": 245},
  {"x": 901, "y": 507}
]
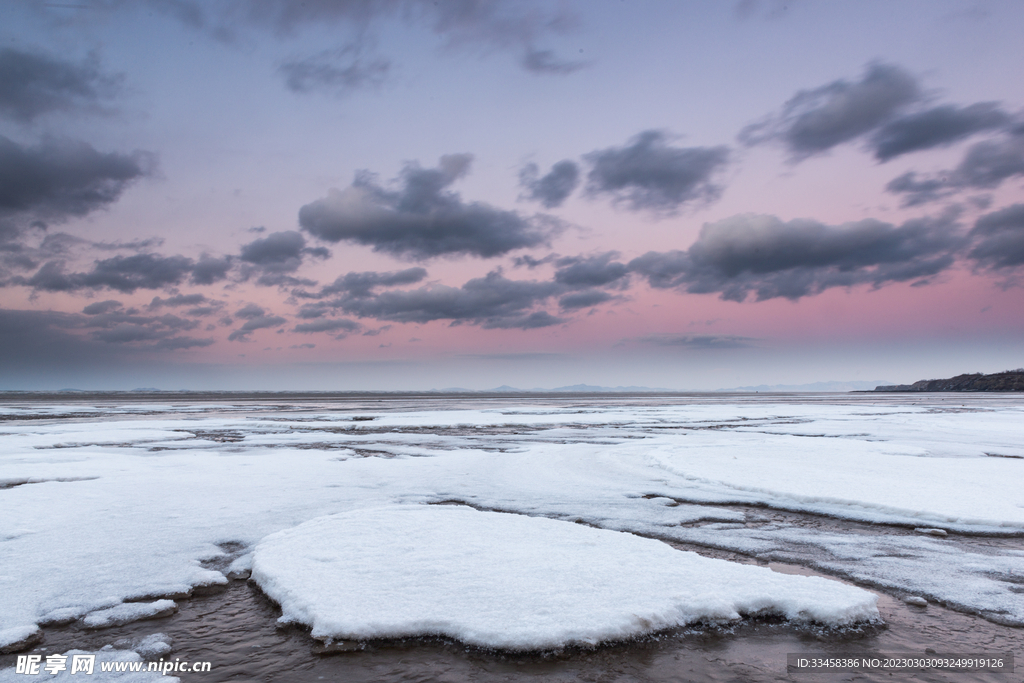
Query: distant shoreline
[{"x": 1010, "y": 380}]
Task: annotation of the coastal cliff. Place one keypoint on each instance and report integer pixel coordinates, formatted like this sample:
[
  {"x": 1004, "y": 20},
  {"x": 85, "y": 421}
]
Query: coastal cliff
[{"x": 1011, "y": 380}]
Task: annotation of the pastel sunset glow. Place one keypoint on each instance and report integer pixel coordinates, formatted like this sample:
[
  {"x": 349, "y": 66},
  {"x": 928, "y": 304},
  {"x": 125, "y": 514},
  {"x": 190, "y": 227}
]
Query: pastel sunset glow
[{"x": 414, "y": 195}]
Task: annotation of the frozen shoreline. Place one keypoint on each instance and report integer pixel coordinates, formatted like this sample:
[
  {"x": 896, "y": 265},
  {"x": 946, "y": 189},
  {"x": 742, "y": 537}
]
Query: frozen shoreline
[{"x": 95, "y": 512}]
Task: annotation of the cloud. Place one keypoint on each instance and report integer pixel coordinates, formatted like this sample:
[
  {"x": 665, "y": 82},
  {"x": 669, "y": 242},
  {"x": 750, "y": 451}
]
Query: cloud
[
  {"x": 593, "y": 271},
  {"x": 530, "y": 262},
  {"x": 697, "y": 341},
  {"x": 814, "y": 121},
  {"x": 492, "y": 301},
  {"x": 422, "y": 219},
  {"x": 552, "y": 189},
  {"x": 583, "y": 299},
  {"x": 250, "y": 311},
  {"x": 60, "y": 178},
  {"x": 33, "y": 84},
  {"x": 210, "y": 269},
  {"x": 274, "y": 257},
  {"x": 129, "y": 273},
  {"x": 179, "y": 300},
  {"x": 122, "y": 273},
  {"x": 255, "y": 319},
  {"x": 340, "y": 71},
  {"x": 174, "y": 343},
  {"x": 999, "y": 238},
  {"x": 342, "y": 325},
  {"x": 771, "y": 258},
  {"x": 547, "y": 62},
  {"x": 42, "y": 342},
  {"x": 985, "y": 166},
  {"x": 102, "y": 307},
  {"x": 648, "y": 174},
  {"x": 106, "y": 322},
  {"x": 486, "y": 25},
  {"x": 363, "y": 284},
  {"x": 936, "y": 127}
]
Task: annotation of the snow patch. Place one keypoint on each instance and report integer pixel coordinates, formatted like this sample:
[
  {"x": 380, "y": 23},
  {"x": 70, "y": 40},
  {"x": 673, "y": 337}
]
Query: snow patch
[
  {"x": 128, "y": 612},
  {"x": 19, "y": 637},
  {"x": 514, "y": 582}
]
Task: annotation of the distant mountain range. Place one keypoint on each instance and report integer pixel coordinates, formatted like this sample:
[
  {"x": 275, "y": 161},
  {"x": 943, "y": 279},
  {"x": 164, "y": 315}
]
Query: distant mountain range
[
  {"x": 574, "y": 389},
  {"x": 816, "y": 386},
  {"x": 1011, "y": 380}
]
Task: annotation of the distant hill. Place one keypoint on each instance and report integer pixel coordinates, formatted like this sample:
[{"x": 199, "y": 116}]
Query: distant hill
[
  {"x": 574, "y": 389},
  {"x": 816, "y": 386},
  {"x": 1011, "y": 380}
]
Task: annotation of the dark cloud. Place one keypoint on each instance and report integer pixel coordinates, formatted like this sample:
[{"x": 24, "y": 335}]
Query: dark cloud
[
  {"x": 274, "y": 257},
  {"x": 37, "y": 344},
  {"x": 698, "y": 341},
  {"x": 179, "y": 300},
  {"x": 314, "y": 311},
  {"x": 122, "y": 273},
  {"x": 547, "y": 62},
  {"x": 815, "y": 121},
  {"x": 59, "y": 178},
  {"x": 422, "y": 218},
  {"x": 935, "y": 127},
  {"x": 583, "y": 299},
  {"x": 772, "y": 258},
  {"x": 210, "y": 269},
  {"x": 530, "y": 262},
  {"x": 363, "y": 284},
  {"x": 486, "y": 25},
  {"x": 491, "y": 302},
  {"x": 33, "y": 84},
  {"x": 133, "y": 245},
  {"x": 255, "y": 319},
  {"x": 648, "y": 174},
  {"x": 250, "y": 311},
  {"x": 341, "y": 325},
  {"x": 174, "y": 343},
  {"x": 102, "y": 307},
  {"x": 985, "y": 166},
  {"x": 52, "y": 340},
  {"x": 999, "y": 238},
  {"x": 339, "y": 71},
  {"x": 593, "y": 271},
  {"x": 552, "y": 189}
]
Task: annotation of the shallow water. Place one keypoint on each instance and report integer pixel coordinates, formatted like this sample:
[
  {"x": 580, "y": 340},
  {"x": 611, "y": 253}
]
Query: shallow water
[{"x": 236, "y": 631}]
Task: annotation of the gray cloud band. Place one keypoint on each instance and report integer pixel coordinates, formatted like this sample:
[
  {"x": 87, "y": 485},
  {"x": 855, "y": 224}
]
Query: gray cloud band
[
  {"x": 764, "y": 256},
  {"x": 422, "y": 218}
]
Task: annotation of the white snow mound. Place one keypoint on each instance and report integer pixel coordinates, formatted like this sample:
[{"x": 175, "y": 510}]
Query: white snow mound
[
  {"x": 514, "y": 582},
  {"x": 128, "y": 612}
]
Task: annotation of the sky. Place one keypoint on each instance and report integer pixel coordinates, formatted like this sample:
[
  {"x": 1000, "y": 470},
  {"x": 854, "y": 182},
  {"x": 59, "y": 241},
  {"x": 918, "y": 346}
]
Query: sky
[{"x": 417, "y": 194}]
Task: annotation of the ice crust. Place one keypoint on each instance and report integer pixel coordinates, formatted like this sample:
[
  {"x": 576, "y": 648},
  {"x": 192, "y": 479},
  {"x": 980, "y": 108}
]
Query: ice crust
[
  {"x": 129, "y": 612},
  {"x": 509, "y": 581},
  {"x": 141, "y": 502}
]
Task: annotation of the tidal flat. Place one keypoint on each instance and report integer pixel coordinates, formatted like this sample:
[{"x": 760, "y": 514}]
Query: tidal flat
[{"x": 121, "y": 500}]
